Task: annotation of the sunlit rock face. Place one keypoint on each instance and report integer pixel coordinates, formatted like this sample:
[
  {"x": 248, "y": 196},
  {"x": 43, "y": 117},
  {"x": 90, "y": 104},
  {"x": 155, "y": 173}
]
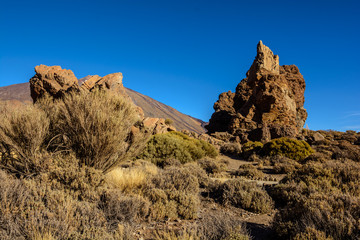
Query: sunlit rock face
[{"x": 267, "y": 104}]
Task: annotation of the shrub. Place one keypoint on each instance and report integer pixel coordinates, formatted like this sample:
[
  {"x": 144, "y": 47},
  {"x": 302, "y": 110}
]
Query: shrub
[
  {"x": 96, "y": 126},
  {"x": 119, "y": 208},
  {"x": 212, "y": 166},
  {"x": 221, "y": 226},
  {"x": 30, "y": 209},
  {"x": 321, "y": 197},
  {"x": 251, "y": 148},
  {"x": 284, "y": 165},
  {"x": 178, "y": 146},
  {"x": 291, "y": 148},
  {"x": 231, "y": 149},
  {"x": 22, "y": 135},
  {"x": 169, "y": 121},
  {"x": 246, "y": 195},
  {"x": 174, "y": 194},
  {"x": 250, "y": 171}
]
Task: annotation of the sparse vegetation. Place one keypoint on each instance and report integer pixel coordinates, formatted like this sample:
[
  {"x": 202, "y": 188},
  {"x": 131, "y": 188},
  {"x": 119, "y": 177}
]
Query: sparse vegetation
[{"x": 321, "y": 197}]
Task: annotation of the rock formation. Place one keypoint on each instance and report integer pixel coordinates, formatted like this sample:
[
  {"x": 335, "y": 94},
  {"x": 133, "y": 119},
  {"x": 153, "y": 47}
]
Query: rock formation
[
  {"x": 56, "y": 82},
  {"x": 267, "y": 104},
  {"x": 53, "y": 81}
]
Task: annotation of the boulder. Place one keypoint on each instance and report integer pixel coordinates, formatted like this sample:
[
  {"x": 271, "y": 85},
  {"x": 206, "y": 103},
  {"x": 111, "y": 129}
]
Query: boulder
[
  {"x": 53, "y": 80},
  {"x": 267, "y": 104}
]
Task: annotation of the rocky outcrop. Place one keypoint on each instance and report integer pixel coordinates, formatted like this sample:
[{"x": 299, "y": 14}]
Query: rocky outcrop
[
  {"x": 112, "y": 82},
  {"x": 267, "y": 104},
  {"x": 56, "y": 82},
  {"x": 53, "y": 80}
]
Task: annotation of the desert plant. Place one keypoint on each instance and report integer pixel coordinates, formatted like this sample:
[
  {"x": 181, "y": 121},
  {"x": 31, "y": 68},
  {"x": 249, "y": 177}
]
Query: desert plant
[
  {"x": 22, "y": 135},
  {"x": 221, "y": 226},
  {"x": 173, "y": 193},
  {"x": 246, "y": 195},
  {"x": 212, "y": 166},
  {"x": 323, "y": 197},
  {"x": 231, "y": 149},
  {"x": 96, "y": 126},
  {"x": 250, "y": 171},
  {"x": 291, "y": 148},
  {"x": 178, "y": 146}
]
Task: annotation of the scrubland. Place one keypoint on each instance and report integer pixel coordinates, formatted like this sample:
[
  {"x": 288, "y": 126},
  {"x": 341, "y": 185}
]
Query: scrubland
[{"x": 75, "y": 169}]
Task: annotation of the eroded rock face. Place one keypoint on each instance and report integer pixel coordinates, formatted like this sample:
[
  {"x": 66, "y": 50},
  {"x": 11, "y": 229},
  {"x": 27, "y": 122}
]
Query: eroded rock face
[
  {"x": 53, "y": 80},
  {"x": 267, "y": 104}
]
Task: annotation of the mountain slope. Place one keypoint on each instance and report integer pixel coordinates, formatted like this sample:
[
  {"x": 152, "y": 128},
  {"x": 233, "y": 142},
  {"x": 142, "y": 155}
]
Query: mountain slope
[{"x": 21, "y": 93}]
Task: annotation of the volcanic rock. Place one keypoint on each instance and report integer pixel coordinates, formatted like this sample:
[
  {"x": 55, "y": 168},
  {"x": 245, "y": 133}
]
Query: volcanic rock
[
  {"x": 111, "y": 82},
  {"x": 267, "y": 104},
  {"x": 53, "y": 81}
]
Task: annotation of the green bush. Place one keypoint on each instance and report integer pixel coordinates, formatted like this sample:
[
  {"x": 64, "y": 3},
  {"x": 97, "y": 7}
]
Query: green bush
[
  {"x": 246, "y": 195},
  {"x": 291, "y": 148},
  {"x": 178, "y": 146}
]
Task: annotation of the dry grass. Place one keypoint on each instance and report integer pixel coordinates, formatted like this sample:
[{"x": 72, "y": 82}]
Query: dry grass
[{"x": 132, "y": 178}]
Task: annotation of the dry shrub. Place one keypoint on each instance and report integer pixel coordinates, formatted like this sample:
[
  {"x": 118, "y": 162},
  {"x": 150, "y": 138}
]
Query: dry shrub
[
  {"x": 250, "y": 171},
  {"x": 312, "y": 234},
  {"x": 176, "y": 145},
  {"x": 132, "y": 178},
  {"x": 96, "y": 126},
  {"x": 196, "y": 170},
  {"x": 221, "y": 226},
  {"x": 231, "y": 149},
  {"x": 22, "y": 135},
  {"x": 174, "y": 194},
  {"x": 246, "y": 195},
  {"x": 176, "y": 235},
  {"x": 212, "y": 166},
  {"x": 119, "y": 208},
  {"x": 320, "y": 196},
  {"x": 284, "y": 165},
  {"x": 30, "y": 209},
  {"x": 79, "y": 181}
]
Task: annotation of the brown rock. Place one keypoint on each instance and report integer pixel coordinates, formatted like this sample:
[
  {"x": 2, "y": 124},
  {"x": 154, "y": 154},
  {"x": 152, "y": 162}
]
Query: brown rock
[
  {"x": 157, "y": 125},
  {"x": 111, "y": 82},
  {"x": 267, "y": 104},
  {"x": 53, "y": 81}
]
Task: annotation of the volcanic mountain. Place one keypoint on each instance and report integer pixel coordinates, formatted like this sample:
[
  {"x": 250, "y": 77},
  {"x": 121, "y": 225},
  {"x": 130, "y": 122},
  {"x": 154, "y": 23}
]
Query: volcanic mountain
[{"x": 20, "y": 93}]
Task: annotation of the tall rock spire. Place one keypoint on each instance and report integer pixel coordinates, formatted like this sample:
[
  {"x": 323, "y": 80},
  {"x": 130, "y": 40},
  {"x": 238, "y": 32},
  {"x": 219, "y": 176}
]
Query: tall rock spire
[{"x": 267, "y": 104}]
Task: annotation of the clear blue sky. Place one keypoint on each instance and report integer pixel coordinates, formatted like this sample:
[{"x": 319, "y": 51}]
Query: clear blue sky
[{"x": 185, "y": 53}]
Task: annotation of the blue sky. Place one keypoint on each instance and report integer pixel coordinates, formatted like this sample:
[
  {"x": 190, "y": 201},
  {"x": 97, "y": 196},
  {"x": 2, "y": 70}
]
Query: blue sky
[{"x": 185, "y": 53}]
